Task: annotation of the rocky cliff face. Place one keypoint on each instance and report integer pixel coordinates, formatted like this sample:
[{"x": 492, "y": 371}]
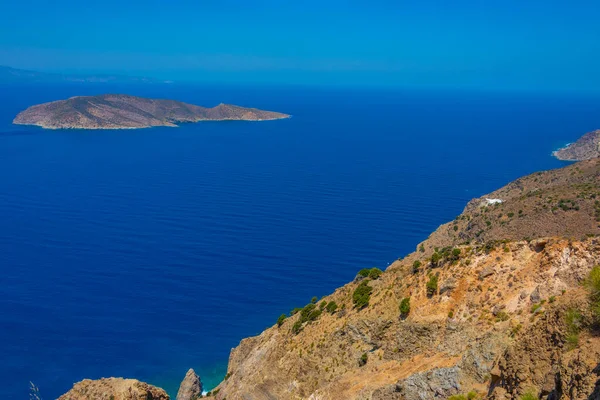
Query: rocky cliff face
[
  {"x": 114, "y": 389},
  {"x": 587, "y": 147},
  {"x": 116, "y": 111},
  {"x": 488, "y": 311}
]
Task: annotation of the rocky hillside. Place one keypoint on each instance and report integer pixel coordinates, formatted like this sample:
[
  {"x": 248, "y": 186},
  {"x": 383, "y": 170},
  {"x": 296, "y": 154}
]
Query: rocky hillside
[
  {"x": 490, "y": 306},
  {"x": 116, "y": 111},
  {"x": 586, "y": 148}
]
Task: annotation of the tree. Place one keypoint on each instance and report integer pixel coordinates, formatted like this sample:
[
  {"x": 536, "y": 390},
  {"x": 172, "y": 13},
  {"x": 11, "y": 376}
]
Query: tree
[
  {"x": 405, "y": 307},
  {"x": 331, "y": 307},
  {"x": 435, "y": 258},
  {"x": 364, "y": 272},
  {"x": 375, "y": 273},
  {"x": 280, "y": 320},
  {"x": 416, "y": 266},
  {"x": 432, "y": 285},
  {"x": 362, "y": 295}
]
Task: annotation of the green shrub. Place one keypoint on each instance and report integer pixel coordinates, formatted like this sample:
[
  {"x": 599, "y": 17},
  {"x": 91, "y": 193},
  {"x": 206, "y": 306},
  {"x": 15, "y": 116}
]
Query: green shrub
[
  {"x": 432, "y": 285},
  {"x": 592, "y": 283},
  {"x": 322, "y": 305},
  {"x": 422, "y": 248},
  {"x": 280, "y": 320},
  {"x": 435, "y": 258},
  {"x": 295, "y": 311},
  {"x": 502, "y": 316},
  {"x": 450, "y": 314},
  {"x": 416, "y": 266},
  {"x": 297, "y": 327},
  {"x": 362, "y": 295},
  {"x": 375, "y": 273},
  {"x": 405, "y": 307},
  {"x": 364, "y": 272},
  {"x": 314, "y": 299},
  {"x": 458, "y": 397},
  {"x": 574, "y": 322},
  {"x": 472, "y": 395},
  {"x": 363, "y": 360},
  {"x": 528, "y": 396},
  {"x": 331, "y": 307}
]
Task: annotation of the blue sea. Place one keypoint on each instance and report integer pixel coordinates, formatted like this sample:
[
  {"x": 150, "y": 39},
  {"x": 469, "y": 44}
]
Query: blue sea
[{"x": 142, "y": 253}]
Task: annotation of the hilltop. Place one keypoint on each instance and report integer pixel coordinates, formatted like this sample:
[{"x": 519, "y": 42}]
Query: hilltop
[
  {"x": 118, "y": 111},
  {"x": 585, "y": 148}
]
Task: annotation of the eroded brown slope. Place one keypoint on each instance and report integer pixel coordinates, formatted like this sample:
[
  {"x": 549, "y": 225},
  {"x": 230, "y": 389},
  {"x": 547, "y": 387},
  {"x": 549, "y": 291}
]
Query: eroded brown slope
[
  {"x": 115, "y": 111},
  {"x": 585, "y": 148},
  {"x": 496, "y": 289}
]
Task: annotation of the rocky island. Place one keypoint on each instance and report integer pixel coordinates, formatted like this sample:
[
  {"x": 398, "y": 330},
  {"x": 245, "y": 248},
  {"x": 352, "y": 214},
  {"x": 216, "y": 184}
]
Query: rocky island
[
  {"x": 587, "y": 147},
  {"x": 502, "y": 303},
  {"x": 118, "y": 111}
]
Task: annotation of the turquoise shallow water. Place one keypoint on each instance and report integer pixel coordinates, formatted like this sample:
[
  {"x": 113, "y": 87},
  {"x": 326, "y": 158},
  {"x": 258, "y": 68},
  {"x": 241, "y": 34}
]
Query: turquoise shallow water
[{"x": 144, "y": 253}]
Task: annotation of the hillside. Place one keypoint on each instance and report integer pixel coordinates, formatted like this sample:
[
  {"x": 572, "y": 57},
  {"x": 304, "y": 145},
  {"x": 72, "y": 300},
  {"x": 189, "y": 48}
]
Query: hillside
[
  {"x": 116, "y": 111},
  {"x": 585, "y": 148},
  {"x": 488, "y": 314}
]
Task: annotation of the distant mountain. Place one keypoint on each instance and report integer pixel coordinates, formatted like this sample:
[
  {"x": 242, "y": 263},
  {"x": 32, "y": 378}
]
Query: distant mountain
[
  {"x": 14, "y": 75},
  {"x": 118, "y": 111}
]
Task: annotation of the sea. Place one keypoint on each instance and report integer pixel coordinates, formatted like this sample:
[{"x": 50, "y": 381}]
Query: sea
[{"x": 143, "y": 253}]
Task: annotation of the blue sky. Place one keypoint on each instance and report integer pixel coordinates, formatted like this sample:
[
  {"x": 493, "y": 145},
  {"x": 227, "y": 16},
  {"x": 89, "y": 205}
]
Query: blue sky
[{"x": 510, "y": 44}]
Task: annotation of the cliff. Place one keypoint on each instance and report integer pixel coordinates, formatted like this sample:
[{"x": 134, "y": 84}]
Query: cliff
[
  {"x": 116, "y": 111},
  {"x": 587, "y": 147},
  {"x": 114, "y": 389},
  {"x": 487, "y": 310}
]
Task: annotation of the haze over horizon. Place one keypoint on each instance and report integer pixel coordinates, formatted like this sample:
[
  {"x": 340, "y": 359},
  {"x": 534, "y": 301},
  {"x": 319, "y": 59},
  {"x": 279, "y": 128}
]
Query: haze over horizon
[{"x": 470, "y": 44}]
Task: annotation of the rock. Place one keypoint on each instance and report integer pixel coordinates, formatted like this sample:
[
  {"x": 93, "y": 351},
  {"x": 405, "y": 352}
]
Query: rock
[
  {"x": 436, "y": 383},
  {"x": 114, "y": 389},
  {"x": 191, "y": 387},
  {"x": 448, "y": 285},
  {"x": 487, "y": 271},
  {"x": 535, "y": 296}
]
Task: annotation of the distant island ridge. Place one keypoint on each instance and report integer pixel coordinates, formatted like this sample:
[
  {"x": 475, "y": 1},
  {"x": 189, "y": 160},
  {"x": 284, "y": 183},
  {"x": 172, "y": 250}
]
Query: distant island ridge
[{"x": 119, "y": 111}]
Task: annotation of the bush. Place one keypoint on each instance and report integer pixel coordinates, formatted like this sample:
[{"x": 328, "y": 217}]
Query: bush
[
  {"x": 375, "y": 273},
  {"x": 574, "y": 322},
  {"x": 405, "y": 307},
  {"x": 458, "y": 397},
  {"x": 472, "y": 395},
  {"x": 416, "y": 266},
  {"x": 362, "y": 295},
  {"x": 280, "y": 320},
  {"x": 364, "y": 272},
  {"x": 435, "y": 258},
  {"x": 592, "y": 283},
  {"x": 331, "y": 307},
  {"x": 297, "y": 327},
  {"x": 528, "y": 396},
  {"x": 432, "y": 285},
  {"x": 422, "y": 248},
  {"x": 322, "y": 305},
  {"x": 363, "y": 360},
  {"x": 314, "y": 299},
  {"x": 295, "y": 311}
]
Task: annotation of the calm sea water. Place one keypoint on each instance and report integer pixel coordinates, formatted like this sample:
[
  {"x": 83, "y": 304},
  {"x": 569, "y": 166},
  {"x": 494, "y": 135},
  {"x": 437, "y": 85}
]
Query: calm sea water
[{"x": 143, "y": 253}]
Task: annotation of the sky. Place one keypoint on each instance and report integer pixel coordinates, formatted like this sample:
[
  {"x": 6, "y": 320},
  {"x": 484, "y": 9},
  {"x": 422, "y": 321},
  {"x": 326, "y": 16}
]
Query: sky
[{"x": 508, "y": 44}]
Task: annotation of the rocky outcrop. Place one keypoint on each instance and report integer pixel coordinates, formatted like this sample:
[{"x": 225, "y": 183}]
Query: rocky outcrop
[
  {"x": 191, "y": 387},
  {"x": 114, "y": 389},
  {"x": 587, "y": 147},
  {"x": 118, "y": 111}
]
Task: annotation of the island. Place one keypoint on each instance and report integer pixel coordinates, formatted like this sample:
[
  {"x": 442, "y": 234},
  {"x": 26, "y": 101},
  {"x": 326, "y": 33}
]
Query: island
[
  {"x": 586, "y": 148},
  {"x": 119, "y": 111}
]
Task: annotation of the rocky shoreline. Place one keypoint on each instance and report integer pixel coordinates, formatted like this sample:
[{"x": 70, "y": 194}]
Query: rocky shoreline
[{"x": 586, "y": 148}]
